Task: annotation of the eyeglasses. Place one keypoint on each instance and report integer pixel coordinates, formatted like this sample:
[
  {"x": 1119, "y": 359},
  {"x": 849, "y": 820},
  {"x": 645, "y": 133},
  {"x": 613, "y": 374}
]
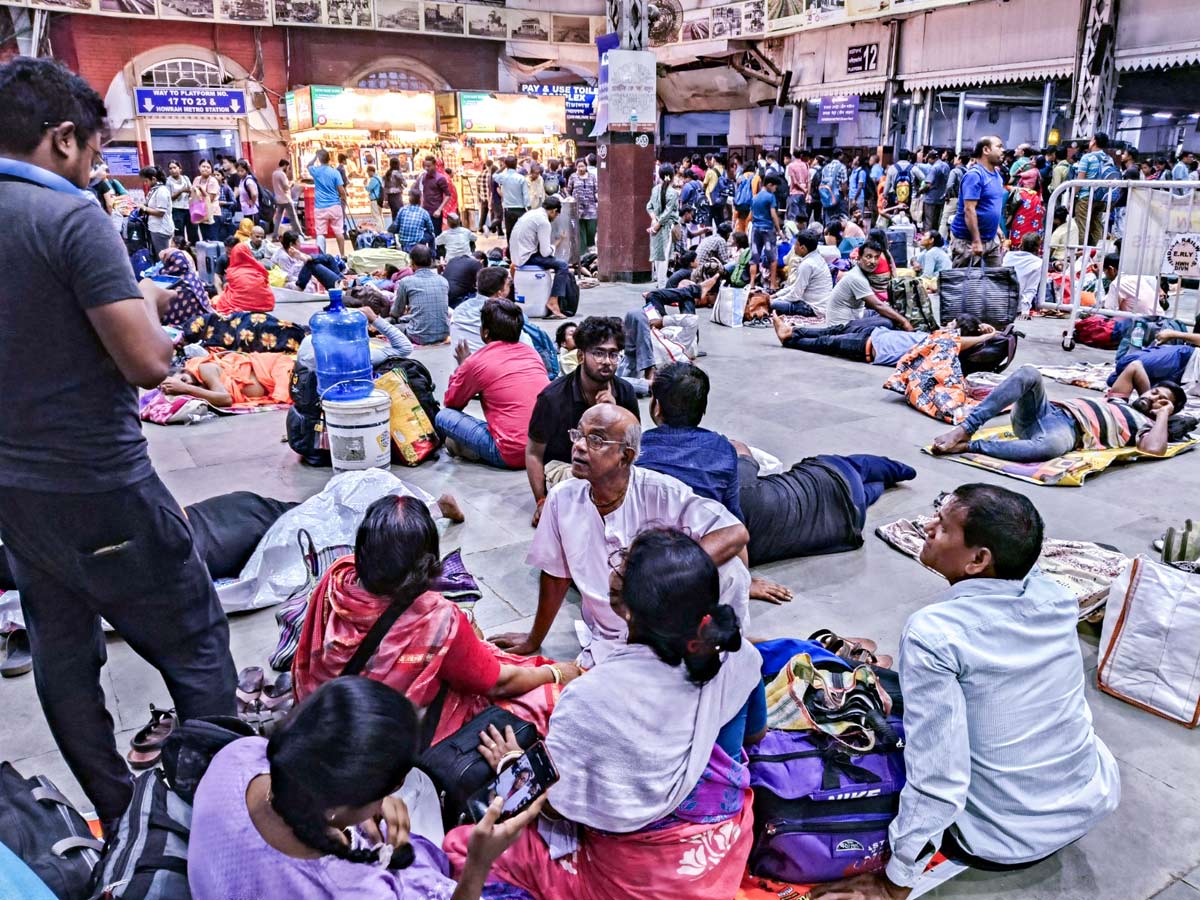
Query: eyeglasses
[
  {"x": 594, "y": 441},
  {"x": 603, "y": 355}
]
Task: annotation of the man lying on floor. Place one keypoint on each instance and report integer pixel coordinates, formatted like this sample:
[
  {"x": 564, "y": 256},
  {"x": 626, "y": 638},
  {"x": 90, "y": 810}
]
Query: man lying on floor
[
  {"x": 1003, "y": 766},
  {"x": 1046, "y": 429},
  {"x": 872, "y": 339},
  {"x": 588, "y": 521},
  {"x": 1137, "y": 369},
  {"x": 227, "y": 528},
  {"x": 818, "y": 506}
]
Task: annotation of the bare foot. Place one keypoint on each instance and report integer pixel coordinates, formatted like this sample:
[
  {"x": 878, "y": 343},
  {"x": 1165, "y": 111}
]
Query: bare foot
[
  {"x": 783, "y": 330},
  {"x": 552, "y": 310},
  {"x": 956, "y": 440},
  {"x": 450, "y": 509}
]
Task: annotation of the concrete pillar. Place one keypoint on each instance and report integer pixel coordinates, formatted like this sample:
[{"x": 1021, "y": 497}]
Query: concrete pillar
[
  {"x": 890, "y": 86},
  {"x": 1047, "y": 99},
  {"x": 798, "y": 113},
  {"x": 962, "y": 105},
  {"x": 910, "y": 130},
  {"x": 927, "y": 120},
  {"x": 625, "y": 162}
]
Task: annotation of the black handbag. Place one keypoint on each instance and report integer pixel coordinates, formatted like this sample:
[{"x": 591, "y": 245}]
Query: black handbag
[
  {"x": 993, "y": 295},
  {"x": 457, "y": 768}
]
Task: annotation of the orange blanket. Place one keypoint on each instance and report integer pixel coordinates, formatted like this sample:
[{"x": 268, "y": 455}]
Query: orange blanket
[{"x": 239, "y": 370}]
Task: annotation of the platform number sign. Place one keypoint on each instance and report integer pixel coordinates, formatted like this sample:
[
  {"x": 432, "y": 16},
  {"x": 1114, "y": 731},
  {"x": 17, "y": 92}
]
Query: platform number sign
[{"x": 863, "y": 58}]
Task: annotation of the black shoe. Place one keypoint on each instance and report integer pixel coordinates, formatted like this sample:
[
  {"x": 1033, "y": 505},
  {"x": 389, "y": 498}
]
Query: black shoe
[{"x": 18, "y": 660}]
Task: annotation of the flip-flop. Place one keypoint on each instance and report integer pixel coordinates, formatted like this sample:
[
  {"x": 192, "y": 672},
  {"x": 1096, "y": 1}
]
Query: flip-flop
[
  {"x": 250, "y": 684},
  {"x": 278, "y": 694}
]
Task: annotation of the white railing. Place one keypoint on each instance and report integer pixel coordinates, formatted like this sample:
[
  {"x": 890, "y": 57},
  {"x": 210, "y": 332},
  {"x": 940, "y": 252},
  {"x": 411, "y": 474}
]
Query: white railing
[{"x": 1151, "y": 228}]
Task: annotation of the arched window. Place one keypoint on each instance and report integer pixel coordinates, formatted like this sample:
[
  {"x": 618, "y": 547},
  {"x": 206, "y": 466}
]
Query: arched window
[
  {"x": 395, "y": 79},
  {"x": 183, "y": 73}
]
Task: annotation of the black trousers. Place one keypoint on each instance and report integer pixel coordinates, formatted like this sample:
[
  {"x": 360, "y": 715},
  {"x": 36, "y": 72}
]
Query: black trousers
[
  {"x": 511, "y": 214},
  {"x": 128, "y": 556}
]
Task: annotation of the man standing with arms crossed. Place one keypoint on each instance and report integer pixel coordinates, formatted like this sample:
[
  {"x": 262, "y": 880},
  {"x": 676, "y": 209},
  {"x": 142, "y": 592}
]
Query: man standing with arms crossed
[
  {"x": 974, "y": 231},
  {"x": 88, "y": 527}
]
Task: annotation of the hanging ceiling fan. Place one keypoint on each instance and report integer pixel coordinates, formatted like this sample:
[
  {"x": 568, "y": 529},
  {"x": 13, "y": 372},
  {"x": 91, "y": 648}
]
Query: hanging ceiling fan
[{"x": 666, "y": 19}]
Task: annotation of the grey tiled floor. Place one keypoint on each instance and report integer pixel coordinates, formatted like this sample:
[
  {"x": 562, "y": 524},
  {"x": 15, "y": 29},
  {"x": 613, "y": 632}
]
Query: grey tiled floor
[{"x": 792, "y": 405}]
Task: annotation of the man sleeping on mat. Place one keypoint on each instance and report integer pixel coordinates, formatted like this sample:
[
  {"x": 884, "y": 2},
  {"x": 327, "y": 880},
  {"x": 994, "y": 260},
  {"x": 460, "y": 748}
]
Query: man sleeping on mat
[
  {"x": 1047, "y": 428},
  {"x": 872, "y": 339}
]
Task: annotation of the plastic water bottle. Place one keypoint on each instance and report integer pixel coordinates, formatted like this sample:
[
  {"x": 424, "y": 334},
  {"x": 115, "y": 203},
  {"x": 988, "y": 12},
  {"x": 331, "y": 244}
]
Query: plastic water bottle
[
  {"x": 343, "y": 351},
  {"x": 1137, "y": 336}
]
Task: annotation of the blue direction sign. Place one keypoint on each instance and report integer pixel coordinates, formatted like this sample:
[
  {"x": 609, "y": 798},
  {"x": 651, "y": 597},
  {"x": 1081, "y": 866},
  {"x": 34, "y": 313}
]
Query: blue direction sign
[{"x": 190, "y": 102}]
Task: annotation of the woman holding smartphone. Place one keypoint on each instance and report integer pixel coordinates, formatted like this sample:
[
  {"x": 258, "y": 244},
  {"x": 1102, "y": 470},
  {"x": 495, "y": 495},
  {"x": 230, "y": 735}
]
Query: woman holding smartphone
[
  {"x": 311, "y": 813},
  {"x": 652, "y": 792}
]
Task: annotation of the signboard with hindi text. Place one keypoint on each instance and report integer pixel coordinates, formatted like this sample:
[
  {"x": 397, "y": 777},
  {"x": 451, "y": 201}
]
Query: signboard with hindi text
[
  {"x": 838, "y": 109},
  {"x": 863, "y": 58}
]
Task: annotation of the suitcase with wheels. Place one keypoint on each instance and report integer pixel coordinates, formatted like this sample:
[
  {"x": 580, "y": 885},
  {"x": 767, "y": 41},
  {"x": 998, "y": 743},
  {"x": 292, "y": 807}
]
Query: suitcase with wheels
[{"x": 207, "y": 255}]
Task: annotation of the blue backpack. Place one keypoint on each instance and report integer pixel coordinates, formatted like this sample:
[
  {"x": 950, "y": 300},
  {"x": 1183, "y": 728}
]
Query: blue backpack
[
  {"x": 721, "y": 190},
  {"x": 744, "y": 196}
]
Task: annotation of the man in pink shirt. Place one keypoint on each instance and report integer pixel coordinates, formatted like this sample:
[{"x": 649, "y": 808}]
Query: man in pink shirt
[
  {"x": 799, "y": 184},
  {"x": 507, "y": 376}
]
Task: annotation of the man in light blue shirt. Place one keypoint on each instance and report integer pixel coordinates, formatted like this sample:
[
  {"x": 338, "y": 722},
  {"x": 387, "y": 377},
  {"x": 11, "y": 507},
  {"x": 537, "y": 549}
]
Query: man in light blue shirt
[
  {"x": 1091, "y": 211},
  {"x": 329, "y": 193},
  {"x": 514, "y": 193},
  {"x": 1182, "y": 171},
  {"x": 1003, "y": 766}
]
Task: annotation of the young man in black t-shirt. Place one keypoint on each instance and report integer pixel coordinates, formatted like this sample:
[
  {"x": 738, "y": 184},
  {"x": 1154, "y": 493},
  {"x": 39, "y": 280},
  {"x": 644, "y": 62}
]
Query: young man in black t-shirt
[
  {"x": 88, "y": 528},
  {"x": 563, "y": 402}
]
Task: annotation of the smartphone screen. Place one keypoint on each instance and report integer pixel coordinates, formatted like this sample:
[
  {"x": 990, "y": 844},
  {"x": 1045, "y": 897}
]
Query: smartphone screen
[{"x": 520, "y": 784}]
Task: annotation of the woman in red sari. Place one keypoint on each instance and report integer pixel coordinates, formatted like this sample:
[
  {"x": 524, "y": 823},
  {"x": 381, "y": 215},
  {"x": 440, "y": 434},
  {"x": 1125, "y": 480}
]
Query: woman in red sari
[
  {"x": 247, "y": 286},
  {"x": 653, "y": 797},
  {"x": 431, "y": 650}
]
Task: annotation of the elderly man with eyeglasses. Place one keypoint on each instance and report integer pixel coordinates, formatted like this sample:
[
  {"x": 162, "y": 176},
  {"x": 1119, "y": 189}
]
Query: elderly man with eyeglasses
[
  {"x": 589, "y": 520},
  {"x": 563, "y": 402}
]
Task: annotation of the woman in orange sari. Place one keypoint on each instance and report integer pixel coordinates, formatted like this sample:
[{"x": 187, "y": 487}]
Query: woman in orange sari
[
  {"x": 247, "y": 287},
  {"x": 430, "y": 652},
  {"x": 229, "y": 378}
]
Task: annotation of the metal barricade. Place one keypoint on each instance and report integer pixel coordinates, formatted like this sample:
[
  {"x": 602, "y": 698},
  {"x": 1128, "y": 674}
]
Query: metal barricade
[{"x": 1155, "y": 227}]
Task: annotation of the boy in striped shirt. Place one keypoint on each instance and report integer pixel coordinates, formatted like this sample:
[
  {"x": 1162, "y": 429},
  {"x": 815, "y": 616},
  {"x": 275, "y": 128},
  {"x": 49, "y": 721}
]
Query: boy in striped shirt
[{"x": 1049, "y": 428}]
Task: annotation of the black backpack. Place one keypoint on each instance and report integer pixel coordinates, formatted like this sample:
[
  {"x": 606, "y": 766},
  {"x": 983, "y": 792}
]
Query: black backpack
[
  {"x": 569, "y": 301},
  {"x": 47, "y": 833},
  {"x": 992, "y": 355},
  {"x": 190, "y": 748},
  {"x": 266, "y": 206},
  {"x": 147, "y": 857}
]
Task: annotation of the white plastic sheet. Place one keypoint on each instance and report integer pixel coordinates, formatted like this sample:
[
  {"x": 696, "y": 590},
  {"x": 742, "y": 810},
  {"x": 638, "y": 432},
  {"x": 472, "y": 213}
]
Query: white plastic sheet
[{"x": 275, "y": 569}]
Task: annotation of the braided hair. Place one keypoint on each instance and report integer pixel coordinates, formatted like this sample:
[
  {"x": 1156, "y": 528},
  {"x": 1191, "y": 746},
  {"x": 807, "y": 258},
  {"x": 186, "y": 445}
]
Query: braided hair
[
  {"x": 351, "y": 743},
  {"x": 666, "y": 173},
  {"x": 671, "y": 587}
]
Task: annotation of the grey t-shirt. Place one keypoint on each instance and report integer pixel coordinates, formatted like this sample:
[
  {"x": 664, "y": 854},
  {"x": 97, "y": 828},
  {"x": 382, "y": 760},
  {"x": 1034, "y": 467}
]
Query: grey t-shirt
[
  {"x": 848, "y": 298},
  {"x": 68, "y": 419}
]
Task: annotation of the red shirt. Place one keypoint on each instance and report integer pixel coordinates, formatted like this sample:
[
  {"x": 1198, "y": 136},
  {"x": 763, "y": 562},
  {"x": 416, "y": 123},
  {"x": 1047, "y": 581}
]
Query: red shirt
[
  {"x": 470, "y": 666},
  {"x": 508, "y": 378}
]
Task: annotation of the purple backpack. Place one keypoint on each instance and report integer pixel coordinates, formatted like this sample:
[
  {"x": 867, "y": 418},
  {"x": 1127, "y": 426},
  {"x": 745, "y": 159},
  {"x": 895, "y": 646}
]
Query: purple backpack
[{"x": 819, "y": 813}]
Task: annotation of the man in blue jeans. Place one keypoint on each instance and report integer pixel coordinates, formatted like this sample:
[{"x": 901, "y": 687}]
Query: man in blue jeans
[
  {"x": 1046, "y": 429},
  {"x": 765, "y": 228}
]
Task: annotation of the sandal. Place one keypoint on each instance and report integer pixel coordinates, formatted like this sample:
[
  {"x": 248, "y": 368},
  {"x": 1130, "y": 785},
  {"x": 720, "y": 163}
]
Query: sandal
[
  {"x": 250, "y": 684},
  {"x": 146, "y": 746},
  {"x": 860, "y": 651},
  {"x": 278, "y": 694}
]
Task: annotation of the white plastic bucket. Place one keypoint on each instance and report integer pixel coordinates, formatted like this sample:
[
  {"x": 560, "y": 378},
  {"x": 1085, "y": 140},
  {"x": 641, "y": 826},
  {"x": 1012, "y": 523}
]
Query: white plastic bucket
[
  {"x": 360, "y": 431},
  {"x": 531, "y": 286}
]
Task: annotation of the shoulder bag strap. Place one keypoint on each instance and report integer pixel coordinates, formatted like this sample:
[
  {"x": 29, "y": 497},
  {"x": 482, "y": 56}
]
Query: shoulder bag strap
[{"x": 373, "y": 639}]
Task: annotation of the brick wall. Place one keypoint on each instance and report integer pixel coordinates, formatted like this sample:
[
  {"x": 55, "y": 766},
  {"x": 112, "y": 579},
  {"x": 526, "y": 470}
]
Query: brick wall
[{"x": 97, "y": 47}]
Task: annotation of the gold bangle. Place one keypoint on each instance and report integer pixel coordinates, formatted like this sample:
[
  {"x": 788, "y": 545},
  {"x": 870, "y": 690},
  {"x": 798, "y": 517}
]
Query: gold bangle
[{"x": 556, "y": 673}]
